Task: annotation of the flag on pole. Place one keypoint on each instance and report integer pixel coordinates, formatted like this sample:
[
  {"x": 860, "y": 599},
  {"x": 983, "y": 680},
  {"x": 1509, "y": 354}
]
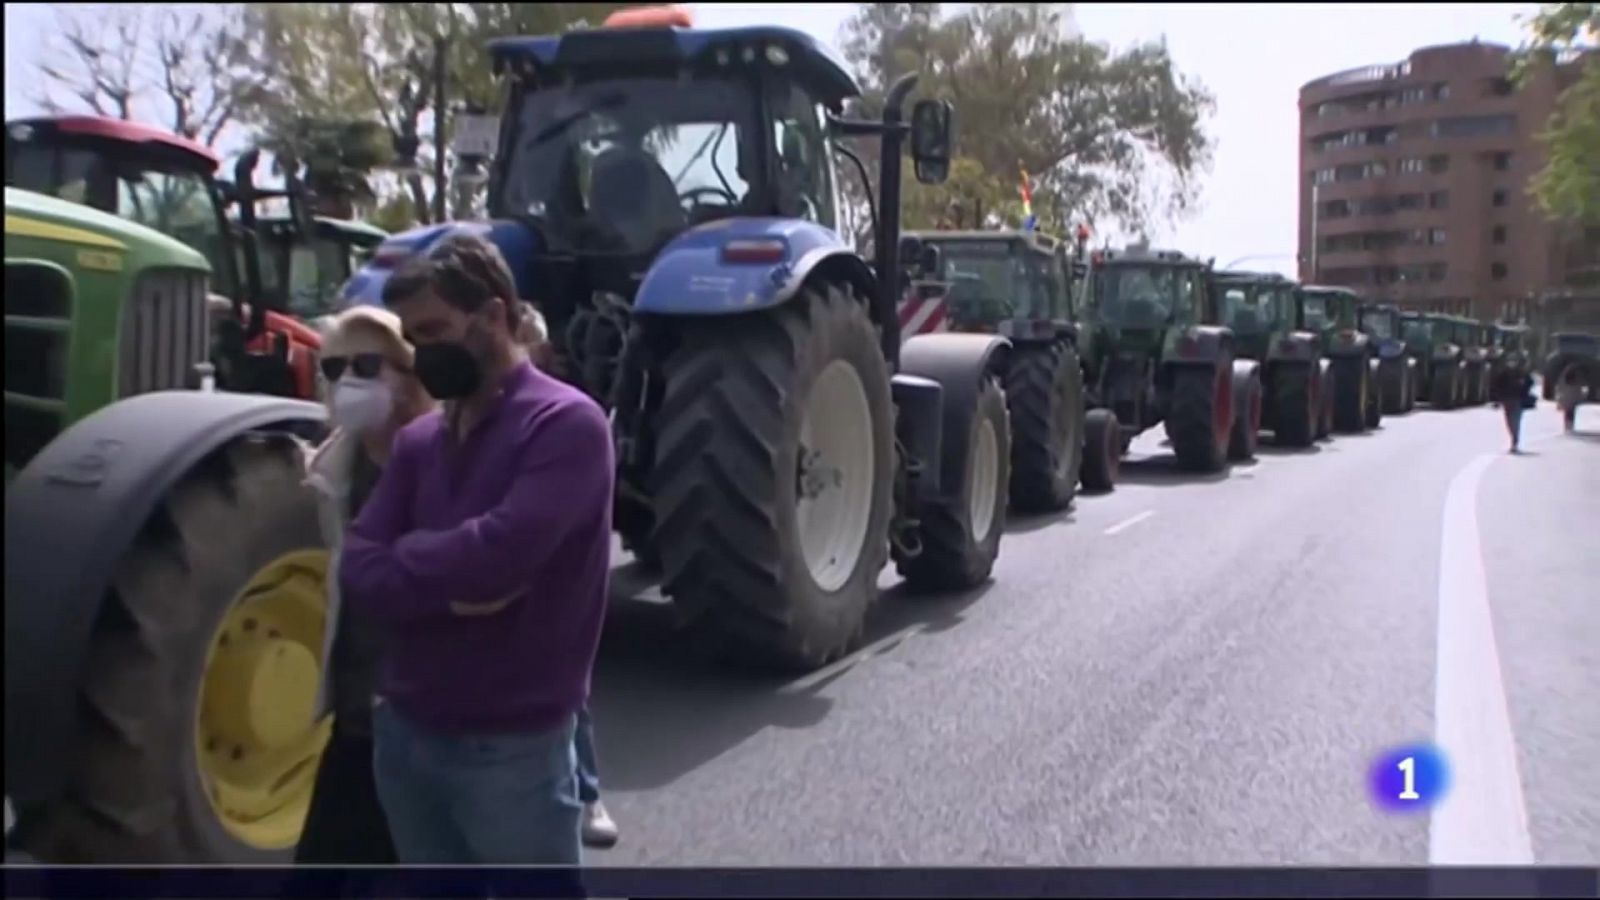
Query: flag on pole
[{"x": 1025, "y": 189}]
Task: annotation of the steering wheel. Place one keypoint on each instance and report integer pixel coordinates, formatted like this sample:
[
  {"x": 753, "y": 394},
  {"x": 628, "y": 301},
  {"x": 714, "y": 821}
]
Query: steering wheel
[{"x": 688, "y": 197}]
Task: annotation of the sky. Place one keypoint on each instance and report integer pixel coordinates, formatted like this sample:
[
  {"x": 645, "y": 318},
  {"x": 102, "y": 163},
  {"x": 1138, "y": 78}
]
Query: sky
[{"x": 1253, "y": 58}]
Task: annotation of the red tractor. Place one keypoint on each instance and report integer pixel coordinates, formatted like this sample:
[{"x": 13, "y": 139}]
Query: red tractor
[{"x": 168, "y": 183}]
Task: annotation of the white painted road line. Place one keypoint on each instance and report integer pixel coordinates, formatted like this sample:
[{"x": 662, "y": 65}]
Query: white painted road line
[
  {"x": 1483, "y": 819},
  {"x": 881, "y": 645},
  {"x": 1129, "y": 522}
]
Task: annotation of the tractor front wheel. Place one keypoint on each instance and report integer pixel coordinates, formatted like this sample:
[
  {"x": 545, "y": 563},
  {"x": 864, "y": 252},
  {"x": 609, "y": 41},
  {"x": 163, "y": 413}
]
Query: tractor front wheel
[
  {"x": 196, "y": 742},
  {"x": 773, "y": 478},
  {"x": 1102, "y": 450},
  {"x": 1044, "y": 391},
  {"x": 1246, "y": 432},
  {"x": 1442, "y": 391},
  {"x": 961, "y": 535}
]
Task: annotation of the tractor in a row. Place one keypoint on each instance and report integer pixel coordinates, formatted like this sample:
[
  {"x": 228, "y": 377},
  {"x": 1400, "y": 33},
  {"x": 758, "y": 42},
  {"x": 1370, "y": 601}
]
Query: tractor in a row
[
  {"x": 163, "y": 560},
  {"x": 1334, "y": 314},
  {"x": 1262, "y": 309},
  {"x": 670, "y": 199},
  {"x": 1018, "y": 283},
  {"x": 1397, "y": 370},
  {"x": 1154, "y": 355},
  {"x": 1568, "y": 350}
]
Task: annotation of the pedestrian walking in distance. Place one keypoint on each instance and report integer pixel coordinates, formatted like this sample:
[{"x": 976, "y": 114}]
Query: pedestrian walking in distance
[
  {"x": 372, "y": 392},
  {"x": 599, "y": 830},
  {"x": 485, "y": 549},
  {"x": 1569, "y": 396},
  {"x": 1512, "y": 389}
]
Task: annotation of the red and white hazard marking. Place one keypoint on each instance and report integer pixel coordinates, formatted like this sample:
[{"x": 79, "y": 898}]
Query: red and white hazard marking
[{"x": 922, "y": 315}]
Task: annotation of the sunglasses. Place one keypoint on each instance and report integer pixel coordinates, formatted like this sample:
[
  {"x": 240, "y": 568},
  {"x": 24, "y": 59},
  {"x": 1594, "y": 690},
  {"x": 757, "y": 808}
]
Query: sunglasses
[{"x": 362, "y": 365}]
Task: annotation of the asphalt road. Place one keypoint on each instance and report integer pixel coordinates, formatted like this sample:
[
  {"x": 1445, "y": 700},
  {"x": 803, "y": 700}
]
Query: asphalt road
[{"x": 1188, "y": 670}]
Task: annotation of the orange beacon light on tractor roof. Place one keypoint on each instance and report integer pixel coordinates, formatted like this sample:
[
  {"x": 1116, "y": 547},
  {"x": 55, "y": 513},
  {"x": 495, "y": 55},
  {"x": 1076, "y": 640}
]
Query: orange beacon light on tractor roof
[{"x": 649, "y": 17}]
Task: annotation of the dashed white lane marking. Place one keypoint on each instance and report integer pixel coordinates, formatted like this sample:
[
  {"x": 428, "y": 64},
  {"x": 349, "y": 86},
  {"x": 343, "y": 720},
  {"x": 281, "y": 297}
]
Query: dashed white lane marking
[
  {"x": 1483, "y": 819},
  {"x": 881, "y": 645},
  {"x": 1129, "y": 522}
]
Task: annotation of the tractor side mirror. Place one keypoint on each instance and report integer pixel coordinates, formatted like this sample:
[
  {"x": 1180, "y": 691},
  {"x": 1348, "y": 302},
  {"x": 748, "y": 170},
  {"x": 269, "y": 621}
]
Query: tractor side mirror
[
  {"x": 932, "y": 260},
  {"x": 931, "y": 122}
]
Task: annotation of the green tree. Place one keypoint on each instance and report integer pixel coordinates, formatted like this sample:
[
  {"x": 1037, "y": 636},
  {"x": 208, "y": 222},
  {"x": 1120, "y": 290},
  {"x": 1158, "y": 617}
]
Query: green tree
[
  {"x": 349, "y": 63},
  {"x": 1103, "y": 134},
  {"x": 1568, "y": 187}
]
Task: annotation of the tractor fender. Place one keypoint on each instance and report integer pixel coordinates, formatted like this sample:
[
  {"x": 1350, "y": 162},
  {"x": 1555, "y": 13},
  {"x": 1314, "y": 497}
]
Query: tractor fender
[
  {"x": 1349, "y": 342},
  {"x": 1200, "y": 345},
  {"x": 1296, "y": 346},
  {"x": 70, "y": 515},
  {"x": 1243, "y": 369},
  {"x": 958, "y": 363},
  {"x": 741, "y": 265},
  {"x": 517, "y": 243}
]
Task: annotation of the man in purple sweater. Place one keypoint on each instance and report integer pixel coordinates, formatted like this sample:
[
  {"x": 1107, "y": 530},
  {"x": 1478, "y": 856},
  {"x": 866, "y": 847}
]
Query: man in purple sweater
[{"x": 485, "y": 550}]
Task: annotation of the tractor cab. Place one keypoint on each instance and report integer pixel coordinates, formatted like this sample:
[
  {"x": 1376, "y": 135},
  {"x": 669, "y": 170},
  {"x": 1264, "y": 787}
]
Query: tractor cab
[
  {"x": 1136, "y": 296},
  {"x": 1382, "y": 322},
  {"x": 1329, "y": 310},
  {"x": 618, "y": 142},
  {"x": 168, "y": 183},
  {"x": 1255, "y": 306},
  {"x": 997, "y": 280}
]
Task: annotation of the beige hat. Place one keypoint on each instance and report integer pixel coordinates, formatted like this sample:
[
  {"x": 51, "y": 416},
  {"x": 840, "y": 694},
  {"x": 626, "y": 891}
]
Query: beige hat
[{"x": 368, "y": 329}]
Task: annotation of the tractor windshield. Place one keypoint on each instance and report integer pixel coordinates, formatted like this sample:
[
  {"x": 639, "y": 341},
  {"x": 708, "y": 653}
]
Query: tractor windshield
[
  {"x": 1249, "y": 309},
  {"x": 621, "y": 165},
  {"x": 995, "y": 279},
  {"x": 1381, "y": 323},
  {"x": 1134, "y": 296},
  {"x": 1415, "y": 330},
  {"x": 1314, "y": 312},
  {"x": 1584, "y": 344}
]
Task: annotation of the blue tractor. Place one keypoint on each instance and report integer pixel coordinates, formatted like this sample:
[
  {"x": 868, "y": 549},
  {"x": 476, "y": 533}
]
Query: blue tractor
[{"x": 669, "y": 198}]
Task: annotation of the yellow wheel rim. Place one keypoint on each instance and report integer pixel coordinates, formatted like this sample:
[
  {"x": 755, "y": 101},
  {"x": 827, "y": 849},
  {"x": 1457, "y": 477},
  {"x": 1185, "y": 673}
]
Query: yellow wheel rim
[{"x": 255, "y": 742}]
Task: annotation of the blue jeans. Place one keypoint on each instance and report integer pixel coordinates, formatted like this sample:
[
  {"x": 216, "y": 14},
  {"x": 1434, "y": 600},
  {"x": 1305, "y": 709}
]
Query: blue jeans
[
  {"x": 504, "y": 799},
  {"x": 588, "y": 763}
]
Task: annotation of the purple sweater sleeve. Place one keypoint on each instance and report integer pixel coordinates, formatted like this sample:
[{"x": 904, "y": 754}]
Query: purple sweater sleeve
[{"x": 564, "y": 475}]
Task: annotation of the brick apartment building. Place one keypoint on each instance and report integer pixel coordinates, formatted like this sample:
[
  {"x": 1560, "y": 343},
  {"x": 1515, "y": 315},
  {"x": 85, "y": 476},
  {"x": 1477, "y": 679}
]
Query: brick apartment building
[{"x": 1414, "y": 186}]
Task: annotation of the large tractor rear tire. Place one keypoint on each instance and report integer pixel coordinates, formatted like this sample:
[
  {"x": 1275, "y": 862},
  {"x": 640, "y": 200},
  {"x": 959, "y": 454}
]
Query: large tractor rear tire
[
  {"x": 1044, "y": 391},
  {"x": 1102, "y": 450},
  {"x": 1200, "y": 415},
  {"x": 1350, "y": 389},
  {"x": 1298, "y": 400},
  {"x": 961, "y": 535},
  {"x": 773, "y": 479},
  {"x": 195, "y": 740}
]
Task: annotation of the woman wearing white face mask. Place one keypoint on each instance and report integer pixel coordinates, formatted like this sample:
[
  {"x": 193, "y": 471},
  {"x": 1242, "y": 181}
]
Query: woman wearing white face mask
[{"x": 371, "y": 393}]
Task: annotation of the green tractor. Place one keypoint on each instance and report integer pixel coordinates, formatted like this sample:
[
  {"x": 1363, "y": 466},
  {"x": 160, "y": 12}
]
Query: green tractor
[
  {"x": 1259, "y": 308},
  {"x": 1430, "y": 340},
  {"x": 164, "y": 566},
  {"x": 1397, "y": 369},
  {"x": 1475, "y": 341},
  {"x": 1151, "y": 358},
  {"x": 1333, "y": 313},
  {"x": 1018, "y": 284}
]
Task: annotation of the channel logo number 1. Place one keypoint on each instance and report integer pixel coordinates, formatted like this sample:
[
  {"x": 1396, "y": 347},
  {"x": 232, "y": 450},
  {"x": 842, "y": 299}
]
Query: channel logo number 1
[{"x": 1406, "y": 779}]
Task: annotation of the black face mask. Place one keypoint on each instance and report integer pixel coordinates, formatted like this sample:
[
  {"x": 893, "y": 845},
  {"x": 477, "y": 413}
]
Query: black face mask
[{"x": 448, "y": 370}]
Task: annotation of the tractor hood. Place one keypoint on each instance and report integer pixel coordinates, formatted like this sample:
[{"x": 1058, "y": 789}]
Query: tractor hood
[
  {"x": 1446, "y": 350},
  {"x": 517, "y": 242},
  {"x": 1391, "y": 348}
]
